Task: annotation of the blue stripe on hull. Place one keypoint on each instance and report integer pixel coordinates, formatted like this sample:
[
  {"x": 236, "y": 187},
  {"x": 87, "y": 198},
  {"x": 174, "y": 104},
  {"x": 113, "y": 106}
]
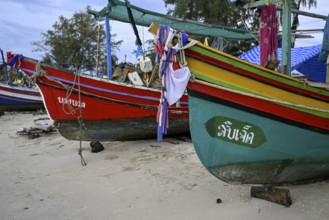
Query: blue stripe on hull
[{"x": 5, "y": 100}]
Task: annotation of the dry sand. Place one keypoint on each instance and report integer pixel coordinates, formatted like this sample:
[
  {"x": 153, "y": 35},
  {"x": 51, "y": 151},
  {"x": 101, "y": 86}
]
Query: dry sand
[{"x": 43, "y": 178}]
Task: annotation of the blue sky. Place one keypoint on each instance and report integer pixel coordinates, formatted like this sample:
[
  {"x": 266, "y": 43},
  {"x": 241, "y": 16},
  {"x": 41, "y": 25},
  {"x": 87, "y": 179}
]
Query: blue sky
[{"x": 23, "y": 21}]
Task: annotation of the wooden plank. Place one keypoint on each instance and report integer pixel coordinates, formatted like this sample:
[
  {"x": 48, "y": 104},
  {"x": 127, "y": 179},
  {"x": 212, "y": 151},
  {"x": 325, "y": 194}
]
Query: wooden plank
[
  {"x": 276, "y": 195},
  {"x": 260, "y": 3},
  {"x": 304, "y": 13}
]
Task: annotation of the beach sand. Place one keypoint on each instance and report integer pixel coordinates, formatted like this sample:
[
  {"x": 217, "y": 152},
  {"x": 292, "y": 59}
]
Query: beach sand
[{"x": 43, "y": 178}]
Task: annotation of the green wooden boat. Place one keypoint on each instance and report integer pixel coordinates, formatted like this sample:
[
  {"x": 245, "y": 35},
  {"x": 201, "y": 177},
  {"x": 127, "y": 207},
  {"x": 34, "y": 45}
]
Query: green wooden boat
[{"x": 244, "y": 145}]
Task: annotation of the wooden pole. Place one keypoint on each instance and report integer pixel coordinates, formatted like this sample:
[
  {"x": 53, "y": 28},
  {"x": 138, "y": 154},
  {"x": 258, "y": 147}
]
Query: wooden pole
[
  {"x": 97, "y": 52},
  {"x": 255, "y": 4},
  {"x": 108, "y": 47},
  {"x": 327, "y": 72},
  {"x": 286, "y": 37},
  {"x": 304, "y": 13}
]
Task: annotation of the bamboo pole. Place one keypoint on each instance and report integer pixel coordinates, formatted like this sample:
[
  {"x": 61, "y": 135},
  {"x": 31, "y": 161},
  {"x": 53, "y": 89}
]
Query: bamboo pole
[
  {"x": 304, "y": 13},
  {"x": 286, "y": 37},
  {"x": 108, "y": 47}
]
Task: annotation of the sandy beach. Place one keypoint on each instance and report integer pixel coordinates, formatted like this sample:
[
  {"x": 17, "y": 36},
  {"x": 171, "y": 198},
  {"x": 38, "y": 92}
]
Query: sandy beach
[{"x": 42, "y": 178}]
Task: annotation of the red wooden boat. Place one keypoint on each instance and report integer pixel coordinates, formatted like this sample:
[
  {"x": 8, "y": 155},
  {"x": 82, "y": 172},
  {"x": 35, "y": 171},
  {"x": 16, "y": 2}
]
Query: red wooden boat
[{"x": 94, "y": 109}]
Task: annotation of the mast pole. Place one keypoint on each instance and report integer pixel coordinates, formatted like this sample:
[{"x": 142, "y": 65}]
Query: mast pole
[
  {"x": 108, "y": 47},
  {"x": 286, "y": 37},
  {"x": 97, "y": 52}
]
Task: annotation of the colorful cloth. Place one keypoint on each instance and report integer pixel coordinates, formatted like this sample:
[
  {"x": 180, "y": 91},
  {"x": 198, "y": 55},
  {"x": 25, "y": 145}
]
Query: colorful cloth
[
  {"x": 174, "y": 80},
  {"x": 268, "y": 34}
]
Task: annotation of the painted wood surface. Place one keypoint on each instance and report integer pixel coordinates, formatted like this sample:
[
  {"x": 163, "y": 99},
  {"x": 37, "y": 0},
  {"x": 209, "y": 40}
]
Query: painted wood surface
[
  {"x": 251, "y": 125},
  {"x": 109, "y": 110}
]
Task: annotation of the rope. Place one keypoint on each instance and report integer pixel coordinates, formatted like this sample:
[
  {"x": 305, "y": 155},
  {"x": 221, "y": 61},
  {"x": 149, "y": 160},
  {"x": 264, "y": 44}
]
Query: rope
[
  {"x": 42, "y": 73},
  {"x": 80, "y": 120},
  {"x": 39, "y": 72},
  {"x": 69, "y": 90}
]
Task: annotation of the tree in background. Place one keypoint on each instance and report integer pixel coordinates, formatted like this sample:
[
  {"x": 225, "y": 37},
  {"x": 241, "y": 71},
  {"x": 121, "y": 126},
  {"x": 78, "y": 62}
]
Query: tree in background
[
  {"x": 223, "y": 12},
  {"x": 220, "y": 12},
  {"x": 76, "y": 41},
  {"x": 296, "y": 5}
]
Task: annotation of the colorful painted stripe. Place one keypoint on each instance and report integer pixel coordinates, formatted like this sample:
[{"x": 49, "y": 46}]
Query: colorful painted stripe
[
  {"x": 243, "y": 68},
  {"x": 259, "y": 106}
]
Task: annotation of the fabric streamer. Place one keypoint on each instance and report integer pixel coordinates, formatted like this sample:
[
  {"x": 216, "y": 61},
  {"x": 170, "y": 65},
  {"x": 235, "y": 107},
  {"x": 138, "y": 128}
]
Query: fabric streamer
[
  {"x": 174, "y": 80},
  {"x": 12, "y": 61},
  {"x": 268, "y": 34}
]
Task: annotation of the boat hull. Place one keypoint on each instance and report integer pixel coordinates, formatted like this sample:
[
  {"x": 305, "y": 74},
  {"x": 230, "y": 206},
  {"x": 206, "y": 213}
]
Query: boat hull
[
  {"x": 117, "y": 129},
  {"x": 281, "y": 152},
  {"x": 15, "y": 98},
  {"x": 93, "y": 109},
  {"x": 252, "y": 125}
]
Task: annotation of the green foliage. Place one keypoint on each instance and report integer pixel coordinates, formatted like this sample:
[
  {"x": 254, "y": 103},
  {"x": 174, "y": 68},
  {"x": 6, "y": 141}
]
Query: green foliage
[
  {"x": 220, "y": 12},
  {"x": 224, "y": 13},
  {"x": 75, "y": 41},
  {"x": 304, "y": 3}
]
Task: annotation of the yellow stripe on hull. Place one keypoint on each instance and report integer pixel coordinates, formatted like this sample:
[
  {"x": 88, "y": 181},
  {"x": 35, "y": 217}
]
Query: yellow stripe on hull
[{"x": 213, "y": 74}]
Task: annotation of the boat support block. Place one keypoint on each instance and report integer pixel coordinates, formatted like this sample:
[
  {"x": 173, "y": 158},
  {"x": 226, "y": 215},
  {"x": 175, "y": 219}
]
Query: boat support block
[{"x": 275, "y": 195}]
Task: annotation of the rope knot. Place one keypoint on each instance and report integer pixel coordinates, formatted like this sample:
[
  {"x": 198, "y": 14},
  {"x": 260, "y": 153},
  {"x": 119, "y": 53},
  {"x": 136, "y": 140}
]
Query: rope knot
[{"x": 38, "y": 71}]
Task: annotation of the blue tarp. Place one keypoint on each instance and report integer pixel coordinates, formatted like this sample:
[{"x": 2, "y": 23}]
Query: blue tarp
[{"x": 303, "y": 59}]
